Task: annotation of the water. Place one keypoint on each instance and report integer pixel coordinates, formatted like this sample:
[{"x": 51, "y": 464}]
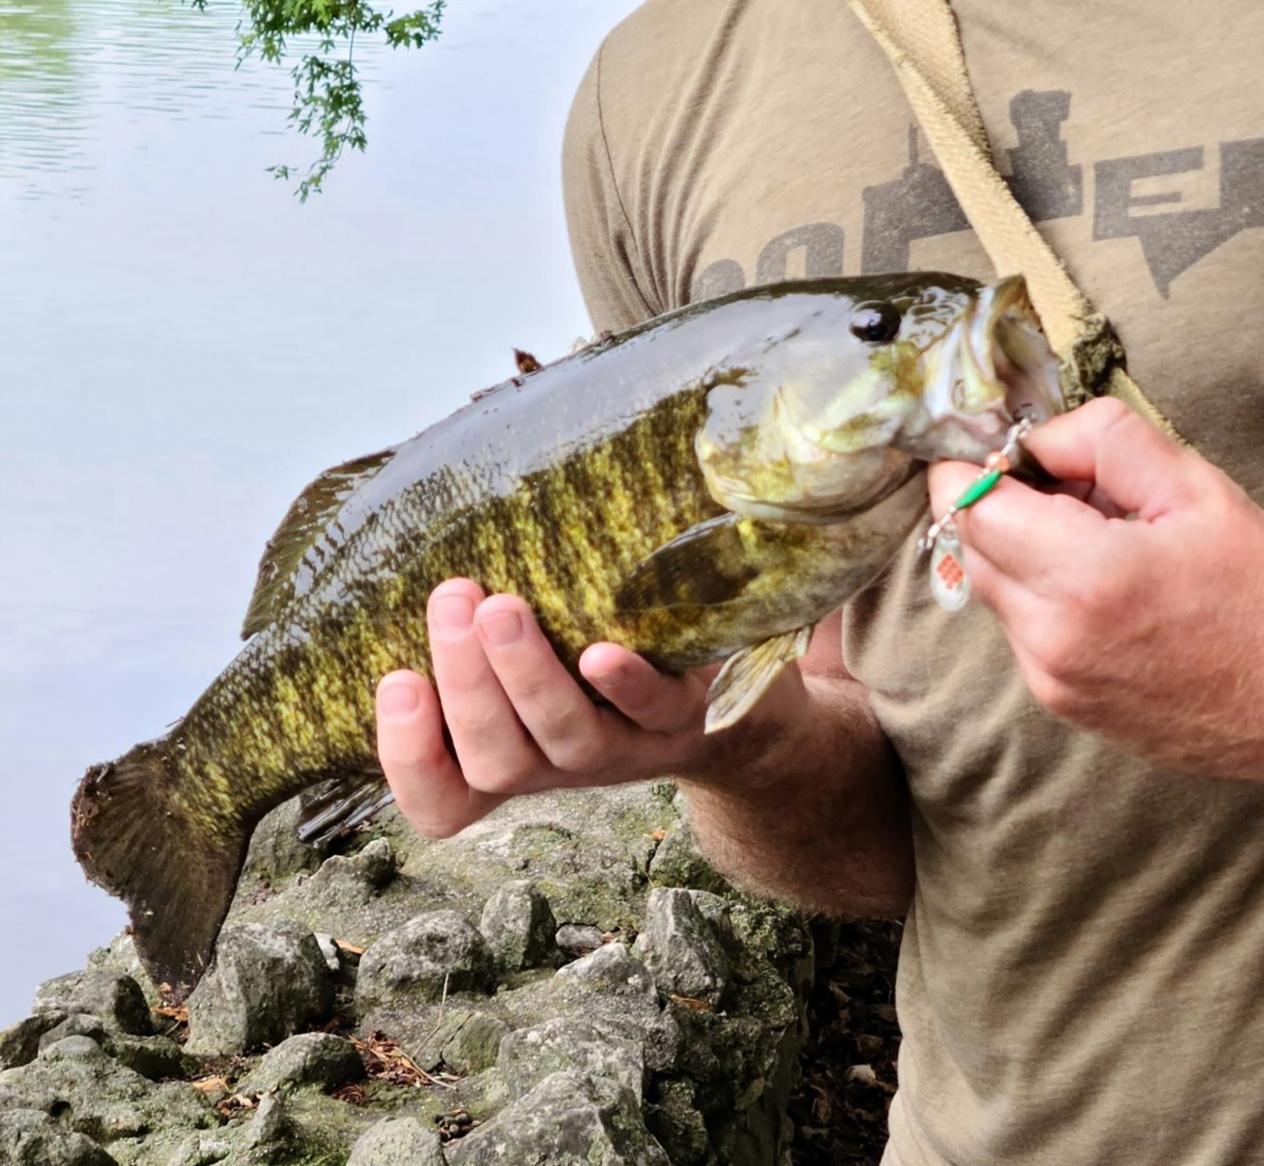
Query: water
[{"x": 182, "y": 346}]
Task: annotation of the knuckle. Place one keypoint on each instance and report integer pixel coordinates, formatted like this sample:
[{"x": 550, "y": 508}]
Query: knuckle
[
  {"x": 573, "y": 750},
  {"x": 1058, "y": 653},
  {"x": 1052, "y": 693},
  {"x": 1108, "y": 410},
  {"x": 501, "y": 781}
]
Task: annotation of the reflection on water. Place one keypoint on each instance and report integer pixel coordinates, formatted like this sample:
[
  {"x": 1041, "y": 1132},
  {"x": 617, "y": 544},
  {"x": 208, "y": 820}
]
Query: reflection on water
[
  {"x": 67, "y": 66},
  {"x": 183, "y": 346}
]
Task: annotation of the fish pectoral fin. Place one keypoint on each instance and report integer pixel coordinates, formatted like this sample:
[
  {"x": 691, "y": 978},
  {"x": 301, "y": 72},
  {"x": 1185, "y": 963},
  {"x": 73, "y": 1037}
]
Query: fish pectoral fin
[
  {"x": 341, "y": 804},
  {"x": 706, "y": 566},
  {"x": 748, "y": 674},
  {"x": 309, "y": 514}
]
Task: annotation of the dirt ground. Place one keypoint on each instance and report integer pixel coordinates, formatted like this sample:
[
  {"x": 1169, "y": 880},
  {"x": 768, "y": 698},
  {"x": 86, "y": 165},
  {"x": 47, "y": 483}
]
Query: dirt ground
[{"x": 840, "y": 1106}]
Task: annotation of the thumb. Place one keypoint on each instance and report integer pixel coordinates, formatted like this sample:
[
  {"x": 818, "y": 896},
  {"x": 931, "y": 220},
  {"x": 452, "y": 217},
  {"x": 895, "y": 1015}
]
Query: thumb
[{"x": 1106, "y": 444}]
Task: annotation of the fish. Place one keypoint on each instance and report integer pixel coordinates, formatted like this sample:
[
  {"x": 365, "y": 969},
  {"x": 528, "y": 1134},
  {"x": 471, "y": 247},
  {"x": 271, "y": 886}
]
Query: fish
[{"x": 704, "y": 487}]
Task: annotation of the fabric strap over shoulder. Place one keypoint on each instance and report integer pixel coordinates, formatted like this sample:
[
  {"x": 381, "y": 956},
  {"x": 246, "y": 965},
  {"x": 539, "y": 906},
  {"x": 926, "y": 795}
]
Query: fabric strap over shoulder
[{"x": 923, "y": 44}]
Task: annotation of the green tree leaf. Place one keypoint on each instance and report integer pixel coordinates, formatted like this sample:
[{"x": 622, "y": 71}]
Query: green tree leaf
[{"x": 328, "y": 99}]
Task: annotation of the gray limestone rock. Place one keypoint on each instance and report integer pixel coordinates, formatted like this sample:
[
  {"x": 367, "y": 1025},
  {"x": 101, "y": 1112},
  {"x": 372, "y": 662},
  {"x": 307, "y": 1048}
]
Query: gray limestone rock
[
  {"x": 266, "y": 983},
  {"x": 276, "y": 852},
  {"x": 519, "y": 927},
  {"x": 20, "y": 1043},
  {"x": 613, "y": 969},
  {"x": 378, "y": 862},
  {"x": 678, "y": 862},
  {"x": 679, "y": 946},
  {"x": 417, "y": 959},
  {"x": 566, "y": 1120},
  {"x": 269, "y": 1125},
  {"x": 93, "y": 1095},
  {"x": 716, "y": 911},
  {"x": 398, "y": 1142},
  {"x": 311, "y": 1058},
  {"x": 530, "y": 1055},
  {"x": 29, "y": 1137},
  {"x": 473, "y": 1044},
  {"x": 157, "y": 1057},
  {"x": 347, "y": 882},
  {"x": 578, "y": 938},
  {"x": 114, "y": 997},
  {"x": 121, "y": 956},
  {"x": 80, "y": 1024}
]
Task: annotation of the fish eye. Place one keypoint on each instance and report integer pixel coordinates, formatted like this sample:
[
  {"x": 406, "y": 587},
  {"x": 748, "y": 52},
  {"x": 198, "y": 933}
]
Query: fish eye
[{"x": 876, "y": 322}]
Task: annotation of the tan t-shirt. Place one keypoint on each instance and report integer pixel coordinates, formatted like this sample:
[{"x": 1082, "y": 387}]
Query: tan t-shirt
[{"x": 1082, "y": 977}]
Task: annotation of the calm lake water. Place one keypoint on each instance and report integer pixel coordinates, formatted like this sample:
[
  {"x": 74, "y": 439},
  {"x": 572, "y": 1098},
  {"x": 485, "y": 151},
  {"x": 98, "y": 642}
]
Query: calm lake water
[{"x": 183, "y": 345}]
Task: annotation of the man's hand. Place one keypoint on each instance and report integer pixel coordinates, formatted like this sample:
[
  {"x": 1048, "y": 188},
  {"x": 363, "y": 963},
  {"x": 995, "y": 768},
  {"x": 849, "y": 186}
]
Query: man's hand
[
  {"x": 1148, "y": 630},
  {"x": 518, "y": 721},
  {"x": 801, "y": 799}
]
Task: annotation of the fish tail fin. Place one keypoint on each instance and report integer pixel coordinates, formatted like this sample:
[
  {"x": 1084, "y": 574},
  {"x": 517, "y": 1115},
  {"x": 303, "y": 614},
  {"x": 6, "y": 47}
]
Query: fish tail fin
[{"x": 176, "y": 874}]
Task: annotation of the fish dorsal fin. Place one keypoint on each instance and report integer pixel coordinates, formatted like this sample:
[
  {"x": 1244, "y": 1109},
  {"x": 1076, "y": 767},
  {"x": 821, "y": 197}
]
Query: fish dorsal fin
[{"x": 302, "y": 524}]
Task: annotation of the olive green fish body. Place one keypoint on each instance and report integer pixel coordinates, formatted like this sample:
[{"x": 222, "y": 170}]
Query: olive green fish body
[{"x": 692, "y": 489}]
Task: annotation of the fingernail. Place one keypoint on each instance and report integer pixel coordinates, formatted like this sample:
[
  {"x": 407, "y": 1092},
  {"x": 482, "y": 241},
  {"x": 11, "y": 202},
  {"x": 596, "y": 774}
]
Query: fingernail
[
  {"x": 398, "y": 702},
  {"x": 503, "y": 628},
  {"x": 451, "y": 615}
]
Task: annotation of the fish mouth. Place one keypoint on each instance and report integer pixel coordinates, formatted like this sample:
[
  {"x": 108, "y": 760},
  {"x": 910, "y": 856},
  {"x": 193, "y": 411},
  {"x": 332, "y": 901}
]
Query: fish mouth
[
  {"x": 993, "y": 368},
  {"x": 811, "y": 509}
]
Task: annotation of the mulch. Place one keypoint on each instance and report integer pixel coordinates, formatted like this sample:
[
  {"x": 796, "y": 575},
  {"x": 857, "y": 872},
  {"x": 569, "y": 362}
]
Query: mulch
[{"x": 839, "y": 1108}]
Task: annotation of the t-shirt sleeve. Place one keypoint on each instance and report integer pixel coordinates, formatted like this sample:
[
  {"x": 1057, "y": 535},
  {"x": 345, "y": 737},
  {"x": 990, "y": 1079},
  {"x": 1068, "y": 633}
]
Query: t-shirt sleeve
[{"x": 602, "y": 241}]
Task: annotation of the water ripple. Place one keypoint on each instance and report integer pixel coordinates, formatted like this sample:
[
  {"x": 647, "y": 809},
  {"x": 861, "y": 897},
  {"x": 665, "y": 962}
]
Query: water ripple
[{"x": 67, "y": 66}]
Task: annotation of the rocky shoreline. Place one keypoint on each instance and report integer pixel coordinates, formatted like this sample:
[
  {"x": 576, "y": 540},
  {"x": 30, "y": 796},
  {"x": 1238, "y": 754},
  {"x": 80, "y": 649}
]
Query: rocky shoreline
[{"x": 567, "y": 982}]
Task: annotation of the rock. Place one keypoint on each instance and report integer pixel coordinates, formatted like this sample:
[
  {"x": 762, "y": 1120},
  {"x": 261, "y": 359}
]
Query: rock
[
  {"x": 202, "y": 1150},
  {"x": 93, "y": 1095},
  {"x": 348, "y": 882},
  {"x": 266, "y": 984},
  {"x": 276, "y": 852},
  {"x": 566, "y": 1120},
  {"x": 329, "y": 949},
  {"x": 519, "y": 927},
  {"x": 578, "y": 938},
  {"x": 121, "y": 956},
  {"x": 612, "y": 988},
  {"x": 158, "y": 1058},
  {"x": 311, "y": 1058},
  {"x": 269, "y": 1125},
  {"x": 29, "y": 1137},
  {"x": 155, "y": 1057},
  {"x": 416, "y": 960},
  {"x": 378, "y": 862},
  {"x": 673, "y": 1118},
  {"x": 19, "y": 1044},
  {"x": 680, "y": 948},
  {"x": 612, "y": 968},
  {"x": 474, "y": 1045},
  {"x": 80, "y": 1024},
  {"x": 398, "y": 1142},
  {"x": 114, "y": 997},
  {"x": 716, "y": 911},
  {"x": 530, "y": 1055},
  {"x": 679, "y": 863}
]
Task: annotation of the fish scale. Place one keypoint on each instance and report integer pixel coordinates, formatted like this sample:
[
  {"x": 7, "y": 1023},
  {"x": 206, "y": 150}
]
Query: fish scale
[{"x": 697, "y": 489}]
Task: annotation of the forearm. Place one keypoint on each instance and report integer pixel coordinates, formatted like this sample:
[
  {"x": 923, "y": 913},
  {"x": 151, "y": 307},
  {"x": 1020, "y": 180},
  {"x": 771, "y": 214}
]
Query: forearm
[{"x": 817, "y": 816}]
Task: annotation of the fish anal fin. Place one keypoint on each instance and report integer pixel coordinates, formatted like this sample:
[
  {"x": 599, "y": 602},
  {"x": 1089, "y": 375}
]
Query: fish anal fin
[
  {"x": 309, "y": 514},
  {"x": 705, "y": 566},
  {"x": 748, "y": 674},
  {"x": 341, "y": 804},
  {"x": 176, "y": 871}
]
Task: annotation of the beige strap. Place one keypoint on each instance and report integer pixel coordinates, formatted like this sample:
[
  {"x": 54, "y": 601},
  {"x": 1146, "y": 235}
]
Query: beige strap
[{"x": 923, "y": 43}]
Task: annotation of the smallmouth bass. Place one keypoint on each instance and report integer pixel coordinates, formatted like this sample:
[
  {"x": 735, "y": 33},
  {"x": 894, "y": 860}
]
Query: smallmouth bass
[{"x": 706, "y": 486}]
